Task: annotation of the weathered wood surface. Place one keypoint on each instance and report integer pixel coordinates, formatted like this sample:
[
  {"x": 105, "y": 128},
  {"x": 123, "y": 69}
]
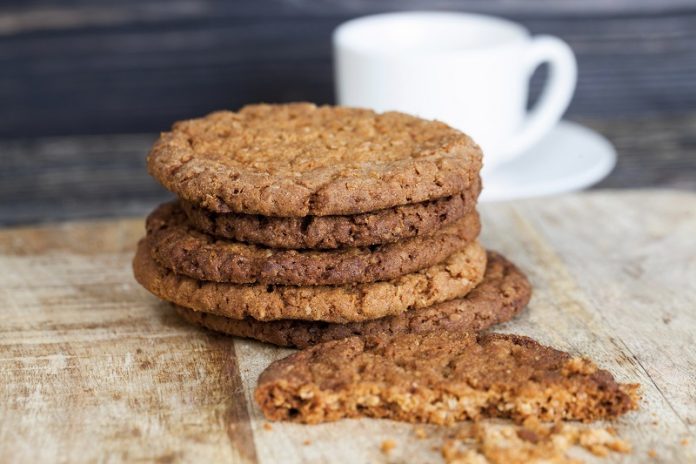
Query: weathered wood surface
[
  {"x": 82, "y": 67},
  {"x": 93, "y": 368},
  {"x": 59, "y": 178}
]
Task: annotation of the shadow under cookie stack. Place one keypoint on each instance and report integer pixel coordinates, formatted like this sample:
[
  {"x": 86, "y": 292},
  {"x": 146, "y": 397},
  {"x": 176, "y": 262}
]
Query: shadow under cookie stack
[{"x": 297, "y": 224}]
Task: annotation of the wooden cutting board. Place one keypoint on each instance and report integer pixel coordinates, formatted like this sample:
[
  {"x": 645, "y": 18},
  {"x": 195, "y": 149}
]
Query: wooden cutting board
[{"x": 93, "y": 368}]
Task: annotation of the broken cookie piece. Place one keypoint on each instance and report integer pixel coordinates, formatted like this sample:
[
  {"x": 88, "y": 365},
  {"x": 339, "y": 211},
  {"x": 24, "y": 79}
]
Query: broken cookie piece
[{"x": 439, "y": 377}]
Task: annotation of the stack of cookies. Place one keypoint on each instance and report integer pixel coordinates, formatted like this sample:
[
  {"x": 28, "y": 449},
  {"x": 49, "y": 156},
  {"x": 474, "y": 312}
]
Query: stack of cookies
[{"x": 297, "y": 224}]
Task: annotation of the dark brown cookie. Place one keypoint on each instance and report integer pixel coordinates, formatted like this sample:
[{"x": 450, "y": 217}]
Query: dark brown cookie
[
  {"x": 178, "y": 246},
  {"x": 329, "y": 232},
  {"x": 439, "y": 377},
  {"x": 503, "y": 292},
  {"x": 453, "y": 278},
  {"x": 300, "y": 160}
]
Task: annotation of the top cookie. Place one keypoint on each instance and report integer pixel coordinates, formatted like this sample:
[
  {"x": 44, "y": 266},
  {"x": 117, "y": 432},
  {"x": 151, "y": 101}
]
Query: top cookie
[{"x": 298, "y": 159}]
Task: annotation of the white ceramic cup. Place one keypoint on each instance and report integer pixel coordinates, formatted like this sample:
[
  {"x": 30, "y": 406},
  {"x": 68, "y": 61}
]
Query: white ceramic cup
[{"x": 468, "y": 70}]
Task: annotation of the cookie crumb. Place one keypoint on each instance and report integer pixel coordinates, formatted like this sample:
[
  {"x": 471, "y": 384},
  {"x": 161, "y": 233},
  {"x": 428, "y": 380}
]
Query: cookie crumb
[
  {"x": 684, "y": 442},
  {"x": 496, "y": 443},
  {"x": 387, "y": 446},
  {"x": 267, "y": 426},
  {"x": 420, "y": 433},
  {"x": 652, "y": 453},
  {"x": 307, "y": 442},
  {"x": 579, "y": 366}
]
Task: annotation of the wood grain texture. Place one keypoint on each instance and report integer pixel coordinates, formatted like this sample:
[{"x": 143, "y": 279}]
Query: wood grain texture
[
  {"x": 89, "y": 362},
  {"x": 82, "y": 67},
  {"x": 58, "y": 178},
  {"x": 95, "y": 369}
]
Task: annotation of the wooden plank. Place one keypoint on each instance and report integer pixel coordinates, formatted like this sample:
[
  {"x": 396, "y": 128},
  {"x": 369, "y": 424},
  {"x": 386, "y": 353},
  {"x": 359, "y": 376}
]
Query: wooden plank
[
  {"x": 78, "y": 67},
  {"x": 610, "y": 320},
  {"x": 642, "y": 276},
  {"x": 58, "y": 178},
  {"x": 93, "y": 368},
  {"x": 652, "y": 152}
]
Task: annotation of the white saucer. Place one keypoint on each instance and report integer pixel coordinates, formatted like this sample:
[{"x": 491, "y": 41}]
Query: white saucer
[{"x": 569, "y": 158}]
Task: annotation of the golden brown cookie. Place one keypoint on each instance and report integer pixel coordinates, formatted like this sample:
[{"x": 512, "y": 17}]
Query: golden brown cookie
[
  {"x": 453, "y": 278},
  {"x": 439, "y": 377},
  {"x": 503, "y": 292},
  {"x": 329, "y": 232},
  {"x": 178, "y": 246},
  {"x": 299, "y": 160}
]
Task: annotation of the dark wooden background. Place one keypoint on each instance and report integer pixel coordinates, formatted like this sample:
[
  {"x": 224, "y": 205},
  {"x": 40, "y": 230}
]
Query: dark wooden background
[{"x": 85, "y": 84}]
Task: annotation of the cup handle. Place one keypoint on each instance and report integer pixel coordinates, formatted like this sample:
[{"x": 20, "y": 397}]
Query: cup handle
[{"x": 556, "y": 95}]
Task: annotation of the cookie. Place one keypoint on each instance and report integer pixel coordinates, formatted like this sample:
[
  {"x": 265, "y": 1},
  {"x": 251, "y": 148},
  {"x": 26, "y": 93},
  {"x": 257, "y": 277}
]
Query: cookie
[
  {"x": 503, "y": 292},
  {"x": 439, "y": 377},
  {"x": 329, "y": 232},
  {"x": 453, "y": 278},
  {"x": 299, "y": 160},
  {"x": 177, "y": 246}
]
